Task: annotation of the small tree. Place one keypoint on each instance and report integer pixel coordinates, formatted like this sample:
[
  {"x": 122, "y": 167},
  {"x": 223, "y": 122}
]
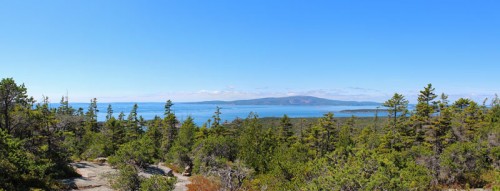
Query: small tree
[
  {"x": 286, "y": 129},
  {"x": 11, "y": 96},
  {"x": 397, "y": 108}
]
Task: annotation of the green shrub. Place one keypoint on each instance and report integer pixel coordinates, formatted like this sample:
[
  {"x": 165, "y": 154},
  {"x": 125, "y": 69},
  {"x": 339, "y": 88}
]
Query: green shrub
[
  {"x": 127, "y": 178},
  {"x": 158, "y": 182}
]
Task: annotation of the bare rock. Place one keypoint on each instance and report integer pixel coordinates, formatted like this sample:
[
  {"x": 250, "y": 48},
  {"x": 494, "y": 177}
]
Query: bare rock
[
  {"x": 156, "y": 170},
  {"x": 100, "y": 160},
  {"x": 187, "y": 171}
]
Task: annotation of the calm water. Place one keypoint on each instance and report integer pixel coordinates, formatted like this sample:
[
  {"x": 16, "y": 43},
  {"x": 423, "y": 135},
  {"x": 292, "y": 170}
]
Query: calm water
[{"x": 202, "y": 112}]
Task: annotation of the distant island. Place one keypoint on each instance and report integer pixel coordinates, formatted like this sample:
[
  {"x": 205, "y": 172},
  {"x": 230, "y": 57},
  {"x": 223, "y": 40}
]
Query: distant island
[{"x": 292, "y": 100}]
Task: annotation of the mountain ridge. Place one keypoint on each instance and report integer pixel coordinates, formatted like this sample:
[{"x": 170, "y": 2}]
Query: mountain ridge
[{"x": 290, "y": 100}]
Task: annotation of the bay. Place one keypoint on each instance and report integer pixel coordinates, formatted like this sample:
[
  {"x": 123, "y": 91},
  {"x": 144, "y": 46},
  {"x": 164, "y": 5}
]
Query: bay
[{"x": 202, "y": 112}]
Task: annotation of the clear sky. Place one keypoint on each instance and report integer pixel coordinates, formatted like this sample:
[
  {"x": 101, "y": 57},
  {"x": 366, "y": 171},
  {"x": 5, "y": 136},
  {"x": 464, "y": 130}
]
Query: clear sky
[{"x": 237, "y": 49}]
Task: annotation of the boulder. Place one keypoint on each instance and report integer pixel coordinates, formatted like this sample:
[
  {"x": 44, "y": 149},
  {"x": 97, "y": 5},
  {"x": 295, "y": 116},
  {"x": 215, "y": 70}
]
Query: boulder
[
  {"x": 156, "y": 170},
  {"x": 187, "y": 171},
  {"x": 100, "y": 160}
]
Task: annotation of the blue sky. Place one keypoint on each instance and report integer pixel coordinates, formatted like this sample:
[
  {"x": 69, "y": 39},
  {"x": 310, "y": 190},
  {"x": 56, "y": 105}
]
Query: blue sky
[{"x": 205, "y": 50}]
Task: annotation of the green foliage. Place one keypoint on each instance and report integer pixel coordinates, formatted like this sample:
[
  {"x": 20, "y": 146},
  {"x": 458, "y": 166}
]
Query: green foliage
[
  {"x": 415, "y": 177},
  {"x": 256, "y": 145},
  {"x": 397, "y": 109},
  {"x": 97, "y": 146},
  {"x": 170, "y": 130},
  {"x": 113, "y": 133},
  {"x": 156, "y": 183},
  {"x": 426, "y": 106},
  {"x": 464, "y": 163},
  {"x": 127, "y": 178},
  {"x": 138, "y": 152},
  {"x": 133, "y": 128},
  {"x": 212, "y": 151},
  {"x": 182, "y": 147},
  {"x": 434, "y": 147},
  {"x": 91, "y": 116},
  {"x": 11, "y": 97},
  {"x": 285, "y": 129},
  {"x": 18, "y": 167}
]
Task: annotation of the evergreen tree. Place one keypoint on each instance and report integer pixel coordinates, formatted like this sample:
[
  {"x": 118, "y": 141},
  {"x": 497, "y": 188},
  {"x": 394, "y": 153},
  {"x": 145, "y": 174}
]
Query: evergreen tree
[
  {"x": 426, "y": 106},
  {"x": 114, "y": 130},
  {"x": 168, "y": 107},
  {"x": 133, "y": 124},
  {"x": 328, "y": 124},
  {"x": 285, "y": 129},
  {"x": 256, "y": 144},
  {"x": 64, "y": 107},
  {"x": 422, "y": 120},
  {"x": 11, "y": 96},
  {"x": 397, "y": 109},
  {"x": 154, "y": 132},
  {"x": 184, "y": 143},
  {"x": 170, "y": 128},
  {"x": 216, "y": 117},
  {"x": 397, "y": 137},
  {"x": 217, "y": 128},
  {"x": 121, "y": 116},
  {"x": 109, "y": 112},
  {"x": 91, "y": 116}
]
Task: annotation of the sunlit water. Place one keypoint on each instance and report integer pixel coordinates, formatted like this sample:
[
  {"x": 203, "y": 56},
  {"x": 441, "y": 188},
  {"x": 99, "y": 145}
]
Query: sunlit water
[{"x": 202, "y": 112}]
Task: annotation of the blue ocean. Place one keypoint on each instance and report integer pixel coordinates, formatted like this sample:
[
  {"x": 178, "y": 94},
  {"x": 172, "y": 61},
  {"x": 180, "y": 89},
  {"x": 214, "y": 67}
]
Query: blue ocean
[{"x": 202, "y": 112}]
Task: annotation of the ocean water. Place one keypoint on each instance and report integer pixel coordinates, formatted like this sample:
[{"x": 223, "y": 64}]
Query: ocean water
[{"x": 202, "y": 112}]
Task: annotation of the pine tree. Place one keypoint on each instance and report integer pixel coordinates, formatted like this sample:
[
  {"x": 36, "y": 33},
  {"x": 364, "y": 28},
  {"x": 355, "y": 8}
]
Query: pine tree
[
  {"x": 397, "y": 137},
  {"x": 426, "y": 106},
  {"x": 217, "y": 128},
  {"x": 64, "y": 107},
  {"x": 168, "y": 107},
  {"x": 256, "y": 144},
  {"x": 184, "y": 143},
  {"x": 11, "y": 96},
  {"x": 285, "y": 129},
  {"x": 443, "y": 135},
  {"x": 170, "y": 128},
  {"x": 91, "y": 116},
  {"x": 328, "y": 124},
  {"x": 133, "y": 124},
  {"x": 216, "y": 117},
  {"x": 115, "y": 131},
  {"x": 397, "y": 109},
  {"x": 422, "y": 119},
  {"x": 109, "y": 112}
]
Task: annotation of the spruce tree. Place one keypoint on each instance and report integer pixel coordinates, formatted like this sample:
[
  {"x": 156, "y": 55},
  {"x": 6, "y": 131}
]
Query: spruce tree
[
  {"x": 109, "y": 112},
  {"x": 285, "y": 129},
  {"x": 425, "y": 105},
  {"x": 91, "y": 115},
  {"x": 11, "y": 96},
  {"x": 133, "y": 125},
  {"x": 397, "y": 109},
  {"x": 170, "y": 128}
]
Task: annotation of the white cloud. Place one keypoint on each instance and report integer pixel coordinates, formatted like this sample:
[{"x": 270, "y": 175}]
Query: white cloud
[{"x": 232, "y": 93}]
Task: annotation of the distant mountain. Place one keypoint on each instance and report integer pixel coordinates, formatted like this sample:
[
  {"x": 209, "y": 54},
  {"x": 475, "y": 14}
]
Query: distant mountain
[{"x": 293, "y": 100}]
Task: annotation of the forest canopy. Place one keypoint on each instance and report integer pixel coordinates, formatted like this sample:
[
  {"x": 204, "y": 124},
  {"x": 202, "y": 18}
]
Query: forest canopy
[{"x": 440, "y": 144}]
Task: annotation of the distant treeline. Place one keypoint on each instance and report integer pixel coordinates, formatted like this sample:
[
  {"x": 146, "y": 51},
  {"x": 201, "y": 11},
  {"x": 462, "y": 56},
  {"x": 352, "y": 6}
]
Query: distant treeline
[
  {"x": 364, "y": 110},
  {"x": 457, "y": 147}
]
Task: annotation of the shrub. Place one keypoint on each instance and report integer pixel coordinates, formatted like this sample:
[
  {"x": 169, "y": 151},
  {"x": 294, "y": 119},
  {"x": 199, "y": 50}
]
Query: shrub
[
  {"x": 127, "y": 178},
  {"x": 158, "y": 182}
]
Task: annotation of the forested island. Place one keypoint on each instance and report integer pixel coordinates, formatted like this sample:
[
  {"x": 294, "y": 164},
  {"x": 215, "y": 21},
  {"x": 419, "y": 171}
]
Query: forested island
[
  {"x": 437, "y": 146},
  {"x": 291, "y": 100}
]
